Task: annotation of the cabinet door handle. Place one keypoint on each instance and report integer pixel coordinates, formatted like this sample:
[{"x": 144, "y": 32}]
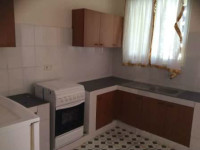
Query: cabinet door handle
[
  {"x": 101, "y": 44},
  {"x": 96, "y": 44}
]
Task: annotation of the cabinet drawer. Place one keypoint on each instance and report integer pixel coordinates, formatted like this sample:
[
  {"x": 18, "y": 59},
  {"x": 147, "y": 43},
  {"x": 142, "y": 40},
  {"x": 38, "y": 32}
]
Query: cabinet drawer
[{"x": 43, "y": 111}]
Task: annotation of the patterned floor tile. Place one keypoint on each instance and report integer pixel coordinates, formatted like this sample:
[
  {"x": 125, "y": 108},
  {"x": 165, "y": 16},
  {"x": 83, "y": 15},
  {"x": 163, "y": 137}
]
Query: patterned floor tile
[{"x": 121, "y": 139}]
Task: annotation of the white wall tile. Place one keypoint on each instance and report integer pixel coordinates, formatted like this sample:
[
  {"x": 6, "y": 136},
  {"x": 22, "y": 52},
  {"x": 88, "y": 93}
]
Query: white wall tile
[
  {"x": 47, "y": 55},
  {"x": 14, "y": 57},
  {"x": 4, "y": 81},
  {"x": 46, "y": 36},
  {"x": 58, "y": 69},
  {"x": 43, "y": 75},
  {"x": 3, "y": 59},
  {"x": 195, "y": 143},
  {"x": 86, "y": 63},
  {"x": 28, "y": 56},
  {"x": 64, "y": 36},
  {"x": 38, "y": 46},
  {"x": 17, "y": 91},
  {"x": 25, "y": 35},
  {"x": 29, "y": 75},
  {"x": 15, "y": 79}
]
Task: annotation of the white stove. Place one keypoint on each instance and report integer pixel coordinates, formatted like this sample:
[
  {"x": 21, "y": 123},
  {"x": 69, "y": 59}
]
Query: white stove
[{"x": 67, "y": 110}]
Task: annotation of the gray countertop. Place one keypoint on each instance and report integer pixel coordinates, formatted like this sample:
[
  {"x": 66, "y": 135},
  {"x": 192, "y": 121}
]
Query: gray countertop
[
  {"x": 97, "y": 84},
  {"x": 27, "y": 100},
  {"x": 112, "y": 81}
]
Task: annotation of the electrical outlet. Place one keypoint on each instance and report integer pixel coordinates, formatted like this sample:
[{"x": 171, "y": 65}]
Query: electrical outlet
[{"x": 48, "y": 67}]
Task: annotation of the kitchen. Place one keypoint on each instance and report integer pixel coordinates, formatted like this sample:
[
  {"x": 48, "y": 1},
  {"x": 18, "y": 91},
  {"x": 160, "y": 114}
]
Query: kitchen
[{"x": 45, "y": 46}]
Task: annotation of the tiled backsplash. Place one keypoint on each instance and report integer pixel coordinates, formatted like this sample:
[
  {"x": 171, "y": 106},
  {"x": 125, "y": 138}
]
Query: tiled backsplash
[{"x": 41, "y": 46}]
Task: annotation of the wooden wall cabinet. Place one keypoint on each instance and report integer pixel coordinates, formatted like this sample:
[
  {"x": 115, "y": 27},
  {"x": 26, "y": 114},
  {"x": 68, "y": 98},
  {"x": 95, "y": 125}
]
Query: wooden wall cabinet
[
  {"x": 7, "y": 24},
  {"x": 165, "y": 119},
  {"x": 95, "y": 29},
  {"x": 117, "y": 31}
]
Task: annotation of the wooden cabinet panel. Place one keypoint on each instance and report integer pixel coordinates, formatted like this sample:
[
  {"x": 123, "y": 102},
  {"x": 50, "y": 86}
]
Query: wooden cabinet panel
[
  {"x": 130, "y": 111},
  {"x": 91, "y": 28},
  {"x": 153, "y": 113},
  {"x": 117, "y": 104},
  {"x": 178, "y": 123},
  {"x": 106, "y": 30},
  {"x": 95, "y": 29},
  {"x": 165, "y": 119},
  {"x": 78, "y": 27},
  {"x": 7, "y": 24},
  {"x": 117, "y": 31},
  {"x": 105, "y": 109},
  {"x": 168, "y": 120}
]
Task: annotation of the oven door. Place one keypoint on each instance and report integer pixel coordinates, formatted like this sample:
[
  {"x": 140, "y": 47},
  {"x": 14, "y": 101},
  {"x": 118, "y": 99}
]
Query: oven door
[{"x": 69, "y": 117}]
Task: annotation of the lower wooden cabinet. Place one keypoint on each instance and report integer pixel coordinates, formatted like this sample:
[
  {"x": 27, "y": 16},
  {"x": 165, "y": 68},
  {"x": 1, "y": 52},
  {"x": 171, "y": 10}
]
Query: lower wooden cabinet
[
  {"x": 153, "y": 113},
  {"x": 169, "y": 120},
  {"x": 130, "y": 109},
  {"x": 178, "y": 123},
  {"x": 105, "y": 109}
]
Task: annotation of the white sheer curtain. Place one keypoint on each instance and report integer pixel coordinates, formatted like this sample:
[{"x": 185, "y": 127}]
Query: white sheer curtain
[
  {"x": 155, "y": 33},
  {"x": 137, "y": 30},
  {"x": 166, "y": 46}
]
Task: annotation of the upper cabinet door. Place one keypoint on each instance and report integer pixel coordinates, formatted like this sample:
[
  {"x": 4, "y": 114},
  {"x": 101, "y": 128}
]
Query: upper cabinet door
[
  {"x": 7, "y": 24},
  {"x": 95, "y": 29},
  {"x": 117, "y": 31},
  {"x": 91, "y": 28},
  {"x": 106, "y": 30}
]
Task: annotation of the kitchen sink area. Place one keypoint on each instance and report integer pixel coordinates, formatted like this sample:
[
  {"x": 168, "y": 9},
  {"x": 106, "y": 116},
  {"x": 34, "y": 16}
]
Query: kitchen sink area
[
  {"x": 99, "y": 75},
  {"x": 154, "y": 88},
  {"x": 168, "y": 91}
]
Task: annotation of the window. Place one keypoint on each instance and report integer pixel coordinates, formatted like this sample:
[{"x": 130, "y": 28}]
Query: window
[{"x": 154, "y": 33}]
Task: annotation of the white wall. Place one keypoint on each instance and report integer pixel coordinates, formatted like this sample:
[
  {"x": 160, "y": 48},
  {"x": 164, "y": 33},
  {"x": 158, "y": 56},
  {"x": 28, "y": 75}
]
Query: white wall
[
  {"x": 44, "y": 37},
  {"x": 38, "y": 46},
  {"x": 190, "y": 76},
  {"x": 43, "y": 32},
  {"x": 58, "y": 12}
]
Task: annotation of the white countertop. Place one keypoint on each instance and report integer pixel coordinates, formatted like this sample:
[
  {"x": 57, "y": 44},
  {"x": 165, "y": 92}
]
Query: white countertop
[{"x": 13, "y": 114}]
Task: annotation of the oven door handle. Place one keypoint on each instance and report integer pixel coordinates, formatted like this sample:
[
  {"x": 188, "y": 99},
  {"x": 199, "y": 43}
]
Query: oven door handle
[{"x": 70, "y": 105}]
